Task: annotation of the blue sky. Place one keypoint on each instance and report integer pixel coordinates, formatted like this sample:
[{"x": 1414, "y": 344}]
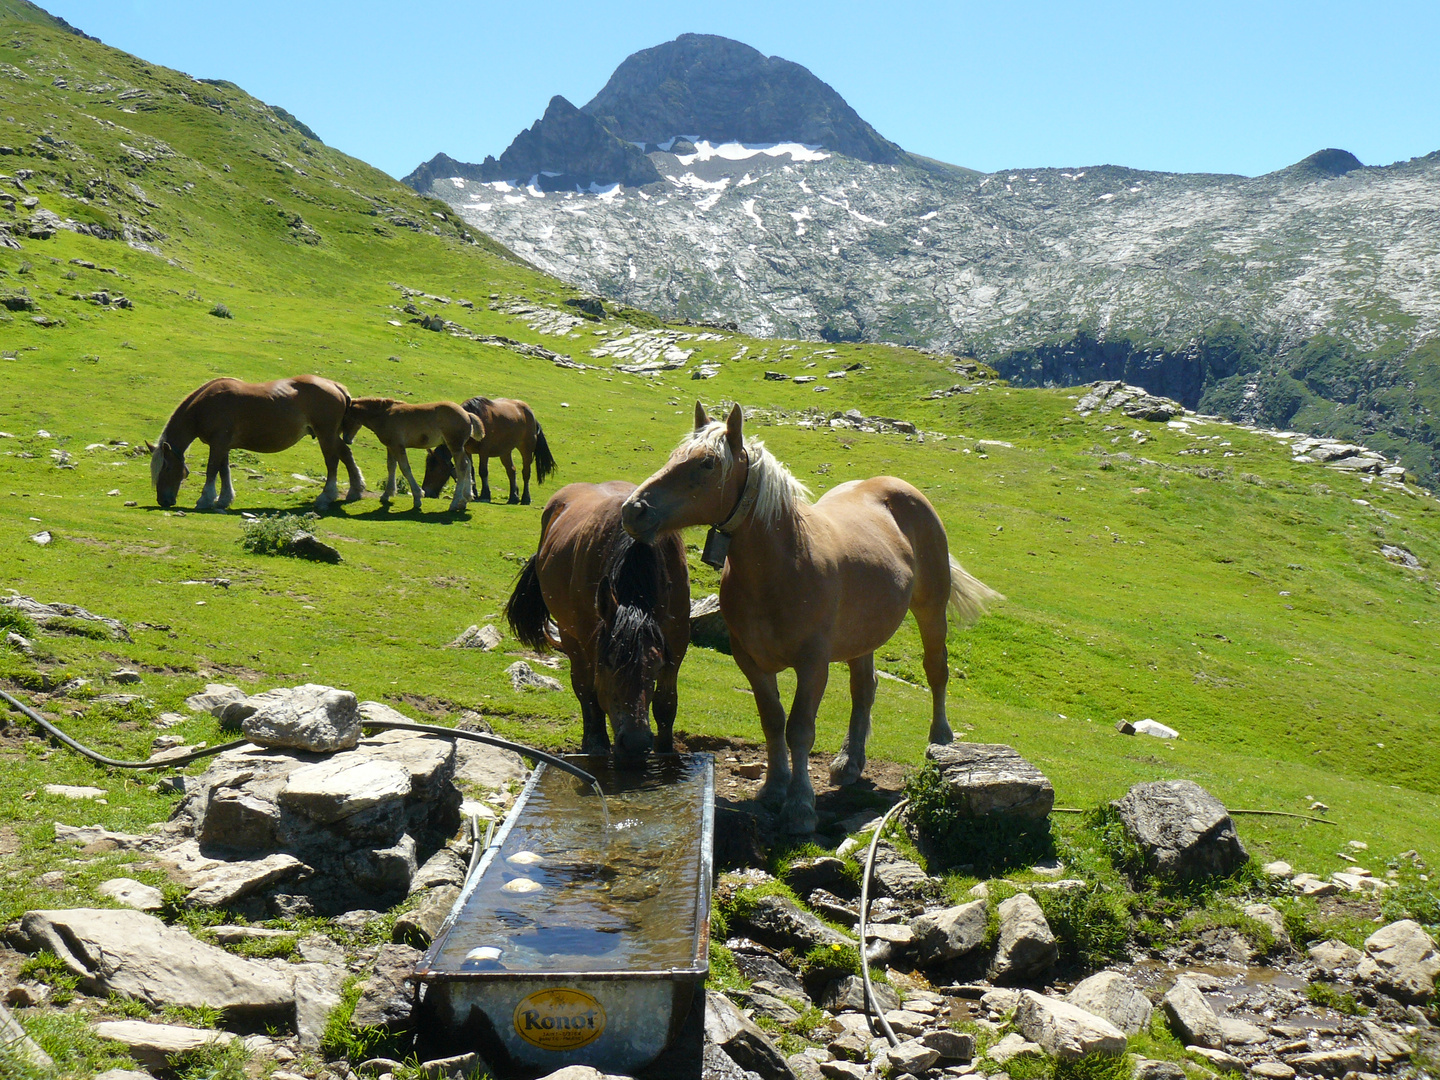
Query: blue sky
[{"x": 1180, "y": 86}]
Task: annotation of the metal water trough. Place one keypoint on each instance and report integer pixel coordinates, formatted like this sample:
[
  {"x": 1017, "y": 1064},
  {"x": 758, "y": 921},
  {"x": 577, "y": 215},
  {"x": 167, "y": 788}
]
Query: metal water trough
[{"x": 559, "y": 952}]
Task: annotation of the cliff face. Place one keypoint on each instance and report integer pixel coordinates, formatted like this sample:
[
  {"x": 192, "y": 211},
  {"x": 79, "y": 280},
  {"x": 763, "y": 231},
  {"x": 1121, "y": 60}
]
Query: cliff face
[{"x": 712, "y": 88}]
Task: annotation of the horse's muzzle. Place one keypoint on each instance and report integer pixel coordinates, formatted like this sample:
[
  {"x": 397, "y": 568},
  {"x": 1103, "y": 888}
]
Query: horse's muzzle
[
  {"x": 634, "y": 743},
  {"x": 638, "y": 518}
]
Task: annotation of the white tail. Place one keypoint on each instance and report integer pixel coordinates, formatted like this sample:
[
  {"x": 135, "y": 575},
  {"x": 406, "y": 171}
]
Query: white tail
[{"x": 968, "y": 594}]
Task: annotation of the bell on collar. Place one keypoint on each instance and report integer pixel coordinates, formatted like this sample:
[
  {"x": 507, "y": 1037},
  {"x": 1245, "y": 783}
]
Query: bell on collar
[{"x": 717, "y": 546}]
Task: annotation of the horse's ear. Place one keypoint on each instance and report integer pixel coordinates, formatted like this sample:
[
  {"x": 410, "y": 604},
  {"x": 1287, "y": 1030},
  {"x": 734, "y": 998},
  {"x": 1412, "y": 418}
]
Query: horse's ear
[
  {"x": 700, "y": 418},
  {"x": 606, "y": 602},
  {"x": 735, "y": 429},
  {"x": 148, "y": 448}
]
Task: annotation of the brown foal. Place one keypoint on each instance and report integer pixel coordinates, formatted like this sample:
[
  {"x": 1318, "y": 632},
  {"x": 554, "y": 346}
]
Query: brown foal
[{"x": 401, "y": 426}]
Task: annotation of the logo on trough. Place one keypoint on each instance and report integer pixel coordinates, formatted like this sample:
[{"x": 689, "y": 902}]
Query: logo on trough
[{"x": 559, "y": 1019}]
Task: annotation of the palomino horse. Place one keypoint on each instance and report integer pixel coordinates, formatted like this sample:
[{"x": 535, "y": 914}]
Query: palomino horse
[
  {"x": 622, "y": 612},
  {"x": 806, "y": 585},
  {"x": 227, "y": 414},
  {"x": 401, "y": 426},
  {"x": 509, "y": 425}
]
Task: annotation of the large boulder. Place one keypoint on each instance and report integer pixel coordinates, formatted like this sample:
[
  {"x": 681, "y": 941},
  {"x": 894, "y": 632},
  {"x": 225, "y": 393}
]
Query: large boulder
[
  {"x": 745, "y": 1044},
  {"x": 135, "y": 955},
  {"x": 1191, "y": 1017},
  {"x": 1064, "y": 1030},
  {"x": 344, "y": 785},
  {"x": 1183, "y": 831},
  {"x": 779, "y": 922},
  {"x": 1027, "y": 946},
  {"x": 1401, "y": 961},
  {"x": 942, "y": 936},
  {"x": 1113, "y": 997},
  {"x": 317, "y": 718},
  {"x": 987, "y": 778},
  {"x": 848, "y": 995}
]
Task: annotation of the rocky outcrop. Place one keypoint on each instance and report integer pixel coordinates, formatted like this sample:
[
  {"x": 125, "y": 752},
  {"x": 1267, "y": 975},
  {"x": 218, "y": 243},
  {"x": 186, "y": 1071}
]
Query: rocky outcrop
[
  {"x": 320, "y": 719},
  {"x": 1183, "y": 830},
  {"x": 983, "y": 779}
]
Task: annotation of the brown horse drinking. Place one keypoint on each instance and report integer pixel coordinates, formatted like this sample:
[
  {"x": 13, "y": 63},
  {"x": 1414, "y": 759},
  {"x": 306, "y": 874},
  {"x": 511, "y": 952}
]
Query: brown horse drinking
[
  {"x": 622, "y": 611},
  {"x": 401, "y": 426},
  {"x": 807, "y": 585},
  {"x": 510, "y": 425},
  {"x": 227, "y": 414}
]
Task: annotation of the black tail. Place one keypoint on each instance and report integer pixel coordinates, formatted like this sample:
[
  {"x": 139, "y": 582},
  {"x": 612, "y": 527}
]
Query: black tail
[
  {"x": 526, "y": 612},
  {"x": 544, "y": 460}
]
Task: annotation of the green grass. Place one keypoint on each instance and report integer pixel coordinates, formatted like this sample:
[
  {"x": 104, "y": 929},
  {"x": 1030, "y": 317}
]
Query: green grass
[
  {"x": 1241, "y": 600},
  {"x": 1332, "y": 997}
]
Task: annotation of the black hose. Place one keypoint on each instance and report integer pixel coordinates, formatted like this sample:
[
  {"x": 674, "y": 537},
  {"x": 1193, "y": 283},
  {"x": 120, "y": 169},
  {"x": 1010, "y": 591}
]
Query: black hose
[
  {"x": 96, "y": 756},
  {"x": 383, "y": 725}
]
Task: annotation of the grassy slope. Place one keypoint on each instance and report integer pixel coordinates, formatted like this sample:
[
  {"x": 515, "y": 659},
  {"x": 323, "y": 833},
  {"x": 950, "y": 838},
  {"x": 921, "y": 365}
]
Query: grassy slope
[{"x": 1134, "y": 590}]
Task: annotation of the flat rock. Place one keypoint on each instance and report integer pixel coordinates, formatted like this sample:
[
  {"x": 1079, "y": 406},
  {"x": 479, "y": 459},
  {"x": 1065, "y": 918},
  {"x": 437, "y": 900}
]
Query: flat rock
[
  {"x": 75, "y": 791},
  {"x": 1112, "y": 997},
  {"x": 844, "y": 1070},
  {"x": 1191, "y": 1016},
  {"x": 320, "y": 719},
  {"x": 137, "y": 956},
  {"x": 1278, "y": 869},
  {"x": 122, "y": 1074},
  {"x": 132, "y": 893},
  {"x": 1012, "y": 1045},
  {"x": 445, "y": 867},
  {"x": 905, "y": 1022},
  {"x": 227, "y": 882},
  {"x": 1064, "y": 1030},
  {"x": 1337, "y": 1062},
  {"x": 1149, "y": 1069},
  {"x": 772, "y": 1007},
  {"x": 153, "y": 1045},
  {"x": 344, "y": 785},
  {"x": 388, "y": 995},
  {"x": 17, "y": 1044},
  {"x": 1026, "y": 947},
  {"x": 898, "y": 877},
  {"x": 489, "y": 767},
  {"x": 1236, "y": 1032},
  {"x": 524, "y": 677},
  {"x": 942, "y": 936},
  {"x": 483, "y": 638},
  {"x": 988, "y": 778},
  {"x": 387, "y": 870},
  {"x": 741, "y": 1040},
  {"x": 950, "y": 1045},
  {"x": 825, "y": 872},
  {"x": 1184, "y": 831},
  {"x": 911, "y": 1058},
  {"x": 1219, "y": 1058},
  {"x": 214, "y": 698},
  {"x": 1272, "y": 1070},
  {"x": 1401, "y": 961},
  {"x": 848, "y": 995}
]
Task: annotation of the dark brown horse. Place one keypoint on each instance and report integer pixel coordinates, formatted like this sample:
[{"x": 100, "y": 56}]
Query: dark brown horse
[
  {"x": 621, "y": 610},
  {"x": 806, "y": 585},
  {"x": 510, "y": 425},
  {"x": 227, "y": 414}
]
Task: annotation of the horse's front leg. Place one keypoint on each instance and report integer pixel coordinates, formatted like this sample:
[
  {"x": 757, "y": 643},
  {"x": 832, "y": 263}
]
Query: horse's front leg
[
  {"x": 415, "y": 491},
  {"x": 391, "y": 461},
  {"x": 474, "y": 493},
  {"x": 665, "y": 705},
  {"x": 464, "y": 485},
  {"x": 594, "y": 734},
  {"x": 798, "y": 815},
  {"x": 218, "y": 463},
  {"x": 850, "y": 762},
  {"x": 772, "y": 722},
  {"x": 507, "y": 459}
]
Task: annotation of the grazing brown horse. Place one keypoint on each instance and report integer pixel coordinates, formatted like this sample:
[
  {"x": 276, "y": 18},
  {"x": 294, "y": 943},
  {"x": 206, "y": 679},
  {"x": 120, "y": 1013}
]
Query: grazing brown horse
[
  {"x": 227, "y": 414},
  {"x": 401, "y": 426},
  {"x": 509, "y": 425},
  {"x": 622, "y": 611},
  {"x": 807, "y": 585}
]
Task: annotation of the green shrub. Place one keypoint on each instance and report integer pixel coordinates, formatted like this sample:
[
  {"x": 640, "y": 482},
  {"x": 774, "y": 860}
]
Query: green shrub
[
  {"x": 1091, "y": 925},
  {"x": 220, "y": 311},
  {"x": 1332, "y": 997},
  {"x": 1412, "y": 898},
  {"x": 265, "y": 948},
  {"x": 13, "y": 619},
  {"x": 342, "y": 1040},
  {"x": 213, "y": 1061},
  {"x": 950, "y": 838},
  {"x": 202, "y": 1016},
  {"x": 1115, "y": 840},
  {"x": 272, "y": 533}
]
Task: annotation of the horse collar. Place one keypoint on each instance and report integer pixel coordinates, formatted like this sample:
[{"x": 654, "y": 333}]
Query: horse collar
[{"x": 717, "y": 541}]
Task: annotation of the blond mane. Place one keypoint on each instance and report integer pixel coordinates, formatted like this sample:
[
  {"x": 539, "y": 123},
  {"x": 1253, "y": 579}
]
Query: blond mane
[{"x": 779, "y": 491}]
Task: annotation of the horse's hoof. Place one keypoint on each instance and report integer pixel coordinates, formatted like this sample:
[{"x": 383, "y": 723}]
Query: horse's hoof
[
  {"x": 512, "y": 501},
  {"x": 940, "y": 733},
  {"x": 799, "y": 818},
  {"x": 845, "y": 769},
  {"x": 354, "y": 496},
  {"x": 525, "y": 501},
  {"x": 416, "y": 507},
  {"x": 773, "y": 792}
]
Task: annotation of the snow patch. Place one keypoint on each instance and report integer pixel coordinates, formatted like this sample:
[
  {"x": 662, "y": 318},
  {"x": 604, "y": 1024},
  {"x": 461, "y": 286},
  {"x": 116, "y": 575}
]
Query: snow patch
[
  {"x": 736, "y": 151},
  {"x": 458, "y": 181},
  {"x": 745, "y": 181},
  {"x": 749, "y": 207}
]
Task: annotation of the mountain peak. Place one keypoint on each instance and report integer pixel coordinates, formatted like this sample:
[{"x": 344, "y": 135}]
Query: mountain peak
[
  {"x": 1325, "y": 163},
  {"x": 711, "y": 87}
]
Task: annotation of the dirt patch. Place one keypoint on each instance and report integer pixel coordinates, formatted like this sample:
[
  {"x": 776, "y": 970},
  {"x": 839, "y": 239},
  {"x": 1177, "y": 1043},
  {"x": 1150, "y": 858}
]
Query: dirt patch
[
  {"x": 878, "y": 789},
  {"x": 435, "y": 707}
]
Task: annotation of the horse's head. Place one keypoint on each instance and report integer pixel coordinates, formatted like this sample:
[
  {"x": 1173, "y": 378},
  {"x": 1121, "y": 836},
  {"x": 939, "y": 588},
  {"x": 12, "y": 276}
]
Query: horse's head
[
  {"x": 629, "y": 655},
  {"x": 696, "y": 486},
  {"x": 362, "y": 411},
  {"x": 167, "y": 471},
  {"x": 439, "y": 468}
]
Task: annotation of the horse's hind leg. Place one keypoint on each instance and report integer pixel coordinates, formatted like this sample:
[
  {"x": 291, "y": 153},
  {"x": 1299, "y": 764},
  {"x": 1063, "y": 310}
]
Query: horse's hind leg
[
  {"x": 666, "y": 704},
  {"x": 525, "y": 455},
  {"x": 937, "y": 668},
  {"x": 798, "y": 816},
  {"x": 356, "y": 490},
  {"x": 415, "y": 491},
  {"x": 772, "y": 722},
  {"x": 484, "y": 495},
  {"x": 391, "y": 461},
  {"x": 331, "y": 451},
  {"x": 474, "y": 494},
  {"x": 507, "y": 459},
  {"x": 850, "y": 762}
]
